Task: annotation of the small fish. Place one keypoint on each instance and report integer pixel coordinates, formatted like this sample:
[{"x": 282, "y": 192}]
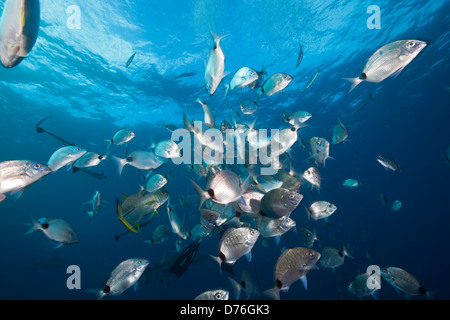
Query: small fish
[
  {"x": 274, "y": 228},
  {"x": 309, "y": 237},
  {"x": 340, "y": 133},
  {"x": 159, "y": 235},
  {"x": 17, "y": 175},
  {"x": 320, "y": 150},
  {"x": 275, "y": 83},
  {"x": 243, "y": 77},
  {"x": 186, "y": 75},
  {"x": 130, "y": 60},
  {"x": 89, "y": 159},
  {"x": 167, "y": 149},
  {"x": 246, "y": 284},
  {"x": 155, "y": 182},
  {"x": 310, "y": 83},
  {"x": 250, "y": 201},
  {"x": 124, "y": 276},
  {"x": 65, "y": 156},
  {"x": 258, "y": 83},
  {"x": 403, "y": 281},
  {"x": 210, "y": 218},
  {"x": 213, "y": 295},
  {"x": 170, "y": 127},
  {"x": 352, "y": 183},
  {"x": 297, "y": 118},
  {"x": 360, "y": 288},
  {"x": 364, "y": 104},
  {"x": 300, "y": 56},
  {"x": 225, "y": 126},
  {"x": 383, "y": 198},
  {"x": 333, "y": 258},
  {"x": 248, "y": 107},
  {"x": 214, "y": 71},
  {"x": 292, "y": 265},
  {"x": 95, "y": 202},
  {"x": 396, "y": 205},
  {"x": 290, "y": 182},
  {"x": 223, "y": 188},
  {"x": 312, "y": 175},
  {"x": 388, "y": 162},
  {"x": 236, "y": 243},
  {"x": 284, "y": 140},
  {"x": 175, "y": 222},
  {"x": 122, "y": 136},
  {"x": 389, "y": 60},
  {"x": 209, "y": 118},
  {"x": 55, "y": 229},
  {"x": 19, "y": 30},
  {"x": 144, "y": 160},
  {"x": 320, "y": 210},
  {"x": 279, "y": 203}
]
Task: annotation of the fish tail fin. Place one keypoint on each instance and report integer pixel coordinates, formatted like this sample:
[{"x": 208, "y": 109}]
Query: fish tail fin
[
  {"x": 2, "y": 197},
  {"x": 263, "y": 70},
  {"x": 353, "y": 82},
  {"x": 34, "y": 225},
  {"x": 308, "y": 212},
  {"x": 273, "y": 293},
  {"x": 217, "y": 38},
  {"x": 201, "y": 193},
  {"x": 219, "y": 261},
  {"x": 99, "y": 294},
  {"x": 120, "y": 163},
  {"x": 121, "y": 217},
  {"x": 346, "y": 252},
  {"x": 108, "y": 143}
]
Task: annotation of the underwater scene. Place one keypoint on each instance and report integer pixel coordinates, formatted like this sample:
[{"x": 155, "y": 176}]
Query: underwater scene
[{"x": 224, "y": 150}]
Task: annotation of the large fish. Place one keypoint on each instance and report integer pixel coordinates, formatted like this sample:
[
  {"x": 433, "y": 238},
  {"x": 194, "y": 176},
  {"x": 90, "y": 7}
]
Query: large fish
[
  {"x": 65, "y": 156},
  {"x": 279, "y": 203},
  {"x": 17, "y": 175},
  {"x": 144, "y": 160},
  {"x": 292, "y": 265},
  {"x": 404, "y": 281},
  {"x": 389, "y": 60},
  {"x": 18, "y": 30},
  {"x": 214, "y": 71}
]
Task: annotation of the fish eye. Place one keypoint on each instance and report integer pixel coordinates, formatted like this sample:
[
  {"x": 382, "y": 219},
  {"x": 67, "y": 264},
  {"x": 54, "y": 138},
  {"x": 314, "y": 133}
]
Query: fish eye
[
  {"x": 311, "y": 255},
  {"x": 37, "y": 166},
  {"x": 218, "y": 295},
  {"x": 78, "y": 149},
  {"x": 411, "y": 44},
  {"x": 291, "y": 196}
]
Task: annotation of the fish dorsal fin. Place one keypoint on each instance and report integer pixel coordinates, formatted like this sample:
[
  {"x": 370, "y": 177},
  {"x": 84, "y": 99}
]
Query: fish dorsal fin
[{"x": 124, "y": 196}]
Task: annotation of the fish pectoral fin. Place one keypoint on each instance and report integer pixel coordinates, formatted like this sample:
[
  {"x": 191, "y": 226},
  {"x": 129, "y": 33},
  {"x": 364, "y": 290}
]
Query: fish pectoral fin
[
  {"x": 2, "y": 197},
  {"x": 396, "y": 73},
  {"x": 18, "y": 193}
]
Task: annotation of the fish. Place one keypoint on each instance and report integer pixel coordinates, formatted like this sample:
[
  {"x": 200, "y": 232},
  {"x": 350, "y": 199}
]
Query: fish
[
  {"x": 274, "y": 228},
  {"x": 360, "y": 288},
  {"x": 352, "y": 183},
  {"x": 139, "y": 205},
  {"x": 243, "y": 77},
  {"x": 387, "y": 61},
  {"x": 223, "y": 188},
  {"x": 210, "y": 219},
  {"x": 17, "y": 175},
  {"x": 89, "y": 159},
  {"x": 124, "y": 276},
  {"x": 225, "y": 125},
  {"x": 55, "y": 229},
  {"x": 284, "y": 140},
  {"x": 332, "y": 258},
  {"x": 155, "y": 182},
  {"x": 209, "y": 118},
  {"x": 95, "y": 202},
  {"x": 320, "y": 150},
  {"x": 122, "y": 136},
  {"x": 320, "y": 210},
  {"x": 363, "y": 104},
  {"x": 267, "y": 183},
  {"x": 175, "y": 222},
  {"x": 258, "y": 83},
  {"x": 279, "y": 203},
  {"x": 402, "y": 280},
  {"x": 234, "y": 244},
  {"x": 308, "y": 237},
  {"x": 312, "y": 175},
  {"x": 275, "y": 83},
  {"x": 130, "y": 60},
  {"x": 292, "y": 265},
  {"x": 300, "y": 56},
  {"x": 186, "y": 75},
  {"x": 297, "y": 118},
  {"x": 144, "y": 160},
  {"x": 311, "y": 82},
  {"x": 340, "y": 133},
  {"x": 218, "y": 294},
  {"x": 167, "y": 149},
  {"x": 246, "y": 284},
  {"x": 41, "y": 130},
  {"x": 248, "y": 107},
  {"x": 19, "y": 30},
  {"x": 250, "y": 201},
  {"x": 396, "y": 205},
  {"x": 170, "y": 127},
  {"x": 290, "y": 182},
  {"x": 388, "y": 163},
  {"x": 65, "y": 156},
  {"x": 214, "y": 70},
  {"x": 383, "y": 198},
  {"x": 159, "y": 235}
]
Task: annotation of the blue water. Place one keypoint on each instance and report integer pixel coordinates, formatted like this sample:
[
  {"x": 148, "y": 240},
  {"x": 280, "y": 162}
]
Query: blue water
[{"x": 78, "y": 76}]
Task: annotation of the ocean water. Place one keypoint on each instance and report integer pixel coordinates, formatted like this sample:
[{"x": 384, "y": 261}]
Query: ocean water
[{"x": 78, "y": 76}]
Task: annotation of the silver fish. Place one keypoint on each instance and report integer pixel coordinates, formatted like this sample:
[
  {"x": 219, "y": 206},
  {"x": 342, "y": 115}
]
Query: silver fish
[
  {"x": 340, "y": 133},
  {"x": 276, "y": 83},
  {"x": 309, "y": 237},
  {"x": 122, "y": 136},
  {"x": 155, "y": 182},
  {"x": 246, "y": 284},
  {"x": 388, "y": 162},
  {"x": 248, "y": 107},
  {"x": 95, "y": 202},
  {"x": 351, "y": 183},
  {"x": 19, "y": 30},
  {"x": 55, "y": 229},
  {"x": 223, "y": 188},
  {"x": 269, "y": 227},
  {"x": 300, "y": 56},
  {"x": 332, "y": 257},
  {"x": 320, "y": 150},
  {"x": 320, "y": 210},
  {"x": 214, "y": 71},
  {"x": 403, "y": 280},
  {"x": 279, "y": 203},
  {"x": 284, "y": 140},
  {"x": 213, "y": 295},
  {"x": 251, "y": 201},
  {"x": 312, "y": 175},
  {"x": 310, "y": 83},
  {"x": 144, "y": 160},
  {"x": 292, "y": 265},
  {"x": 89, "y": 159},
  {"x": 17, "y": 175},
  {"x": 124, "y": 276},
  {"x": 297, "y": 118},
  {"x": 159, "y": 235},
  {"x": 359, "y": 286},
  {"x": 243, "y": 77},
  {"x": 167, "y": 149},
  {"x": 65, "y": 156},
  {"x": 209, "y": 118},
  {"x": 389, "y": 60},
  {"x": 175, "y": 222},
  {"x": 236, "y": 243}
]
